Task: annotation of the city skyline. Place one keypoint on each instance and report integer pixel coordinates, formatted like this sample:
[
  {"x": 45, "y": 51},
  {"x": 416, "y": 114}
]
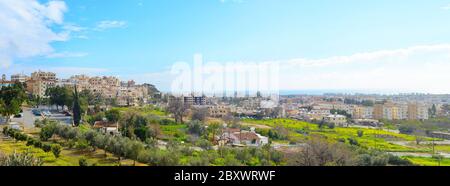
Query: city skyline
[{"x": 370, "y": 47}]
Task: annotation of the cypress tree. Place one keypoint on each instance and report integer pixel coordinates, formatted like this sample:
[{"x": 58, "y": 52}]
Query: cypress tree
[{"x": 76, "y": 109}]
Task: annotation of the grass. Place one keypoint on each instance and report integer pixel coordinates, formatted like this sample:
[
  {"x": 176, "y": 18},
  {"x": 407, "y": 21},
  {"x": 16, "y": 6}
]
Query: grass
[
  {"x": 441, "y": 148},
  {"x": 176, "y": 132},
  {"x": 372, "y": 138},
  {"x": 424, "y": 161},
  {"x": 68, "y": 157}
]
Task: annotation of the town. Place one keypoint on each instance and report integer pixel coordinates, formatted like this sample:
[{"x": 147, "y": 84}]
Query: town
[{"x": 144, "y": 126}]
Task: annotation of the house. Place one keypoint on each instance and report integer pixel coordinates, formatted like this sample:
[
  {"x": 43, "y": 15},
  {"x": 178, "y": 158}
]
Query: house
[
  {"x": 238, "y": 137},
  {"x": 339, "y": 120},
  {"x": 107, "y": 127}
]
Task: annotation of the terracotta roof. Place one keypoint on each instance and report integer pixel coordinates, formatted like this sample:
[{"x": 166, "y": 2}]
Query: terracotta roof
[
  {"x": 246, "y": 136},
  {"x": 101, "y": 124}
]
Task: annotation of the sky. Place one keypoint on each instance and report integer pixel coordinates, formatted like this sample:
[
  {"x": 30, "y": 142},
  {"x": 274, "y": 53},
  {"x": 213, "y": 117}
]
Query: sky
[{"x": 382, "y": 45}]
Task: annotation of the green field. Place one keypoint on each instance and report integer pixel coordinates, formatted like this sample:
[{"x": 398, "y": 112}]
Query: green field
[
  {"x": 68, "y": 157},
  {"x": 422, "y": 161},
  {"x": 372, "y": 138}
]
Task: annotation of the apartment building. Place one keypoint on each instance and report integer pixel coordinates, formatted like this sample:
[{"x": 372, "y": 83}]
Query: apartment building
[
  {"x": 362, "y": 112},
  {"x": 39, "y": 82},
  {"x": 218, "y": 111},
  {"x": 22, "y": 78}
]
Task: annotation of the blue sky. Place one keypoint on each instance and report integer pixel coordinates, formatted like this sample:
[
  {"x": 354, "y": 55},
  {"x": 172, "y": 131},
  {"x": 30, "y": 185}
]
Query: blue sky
[{"x": 141, "y": 39}]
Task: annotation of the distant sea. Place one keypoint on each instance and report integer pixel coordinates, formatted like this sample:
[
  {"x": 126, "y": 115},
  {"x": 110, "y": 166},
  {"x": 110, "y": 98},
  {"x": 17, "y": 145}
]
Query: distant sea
[{"x": 331, "y": 91}]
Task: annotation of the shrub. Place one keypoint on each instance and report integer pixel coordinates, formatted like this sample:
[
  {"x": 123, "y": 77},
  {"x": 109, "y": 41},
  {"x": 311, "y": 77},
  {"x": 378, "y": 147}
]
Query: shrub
[
  {"x": 331, "y": 125},
  {"x": 46, "y": 147},
  {"x": 360, "y": 133},
  {"x": 17, "y": 159},
  {"x": 37, "y": 144},
  {"x": 353, "y": 141},
  {"x": 56, "y": 150},
  {"x": 83, "y": 162},
  {"x": 30, "y": 141}
]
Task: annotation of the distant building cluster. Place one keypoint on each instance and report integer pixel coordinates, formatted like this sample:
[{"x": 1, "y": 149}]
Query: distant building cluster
[
  {"x": 364, "y": 109},
  {"x": 125, "y": 93}
]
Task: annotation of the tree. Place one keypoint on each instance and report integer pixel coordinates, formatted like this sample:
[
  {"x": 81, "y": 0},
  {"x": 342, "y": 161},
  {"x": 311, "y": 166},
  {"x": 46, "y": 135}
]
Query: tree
[
  {"x": 177, "y": 108},
  {"x": 196, "y": 127},
  {"x": 11, "y": 99},
  {"x": 214, "y": 128},
  {"x": 112, "y": 115},
  {"x": 319, "y": 152},
  {"x": 60, "y": 96},
  {"x": 76, "y": 108},
  {"x": 134, "y": 150},
  {"x": 200, "y": 114}
]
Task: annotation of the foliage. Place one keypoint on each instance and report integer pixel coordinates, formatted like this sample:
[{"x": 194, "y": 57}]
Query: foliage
[
  {"x": 76, "y": 108},
  {"x": 56, "y": 150},
  {"x": 20, "y": 159},
  {"x": 11, "y": 98}
]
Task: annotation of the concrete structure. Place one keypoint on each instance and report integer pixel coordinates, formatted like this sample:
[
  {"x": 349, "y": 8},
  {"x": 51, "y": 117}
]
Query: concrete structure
[
  {"x": 336, "y": 119},
  {"x": 22, "y": 78}
]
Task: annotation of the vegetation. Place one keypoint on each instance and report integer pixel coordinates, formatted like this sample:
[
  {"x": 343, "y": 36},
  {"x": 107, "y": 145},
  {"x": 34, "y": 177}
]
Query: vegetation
[
  {"x": 20, "y": 159},
  {"x": 11, "y": 98},
  {"x": 76, "y": 108}
]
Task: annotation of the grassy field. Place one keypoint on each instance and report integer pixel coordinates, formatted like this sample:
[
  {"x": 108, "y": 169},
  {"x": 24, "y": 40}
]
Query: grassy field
[
  {"x": 68, "y": 157},
  {"x": 422, "y": 161},
  {"x": 372, "y": 138},
  {"x": 176, "y": 132}
]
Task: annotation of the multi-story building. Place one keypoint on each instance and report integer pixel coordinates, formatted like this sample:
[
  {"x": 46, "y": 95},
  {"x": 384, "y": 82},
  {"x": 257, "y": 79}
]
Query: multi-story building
[
  {"x": 22, "y": 78},
  {"x": 49, "y": 76},
  {"x": 39, "y": 82},
  {"x": 378, "y": 111},
  {"x": 218, "y": 111},
  {"x": 194, "y": 100},
  {"x": 336, "y": 119}
]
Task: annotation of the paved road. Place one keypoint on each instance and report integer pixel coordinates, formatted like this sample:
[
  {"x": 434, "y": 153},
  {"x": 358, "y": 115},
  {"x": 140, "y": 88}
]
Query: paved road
[{"x": 28, "y": 118}]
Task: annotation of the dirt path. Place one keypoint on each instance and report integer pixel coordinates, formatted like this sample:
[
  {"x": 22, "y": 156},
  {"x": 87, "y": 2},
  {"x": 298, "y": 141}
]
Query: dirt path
[{"x": 258, "y": 126}]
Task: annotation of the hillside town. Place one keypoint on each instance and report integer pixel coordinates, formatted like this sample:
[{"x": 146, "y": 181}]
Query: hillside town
[{"x": 401, "y": 126}]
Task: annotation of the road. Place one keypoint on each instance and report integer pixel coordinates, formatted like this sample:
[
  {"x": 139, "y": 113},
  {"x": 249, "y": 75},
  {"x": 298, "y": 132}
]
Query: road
[{"x": 27, "y": 120}]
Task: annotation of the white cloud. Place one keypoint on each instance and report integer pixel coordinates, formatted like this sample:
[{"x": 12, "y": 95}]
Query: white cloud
[
  {"x": 446, "y": 7},
  {"x": 26, "y": 28},
  {"x": 104, "y": 25},
  {"x": 412, "y": 69},
  {"x": 419, "y": 68},
  {"x": 67, "y": 55}
]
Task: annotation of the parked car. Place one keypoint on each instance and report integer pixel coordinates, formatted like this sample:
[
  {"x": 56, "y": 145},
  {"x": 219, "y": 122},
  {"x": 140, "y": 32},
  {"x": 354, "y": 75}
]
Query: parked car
[{"x": 36, "y": 112}]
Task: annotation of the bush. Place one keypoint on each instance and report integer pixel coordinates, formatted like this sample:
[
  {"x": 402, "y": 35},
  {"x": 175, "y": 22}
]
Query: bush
[
  {"x": 405, "y": 129},
  {"x": 395, "y": 160},
  {"x": 46, "y": 147},
  {"x": 83, "y": 162},
  {"x": 56, "y": 150},
  {"x": 30, "y": 141},
  {"x": 205, "y": 144},
  {"x": 16, "y": 159},
  {"x": 360, "y": 133},
  {"x": 37, "y": 144},
  {"x": 353, "y": 141},
  {"x": 331, "y": 125}
]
